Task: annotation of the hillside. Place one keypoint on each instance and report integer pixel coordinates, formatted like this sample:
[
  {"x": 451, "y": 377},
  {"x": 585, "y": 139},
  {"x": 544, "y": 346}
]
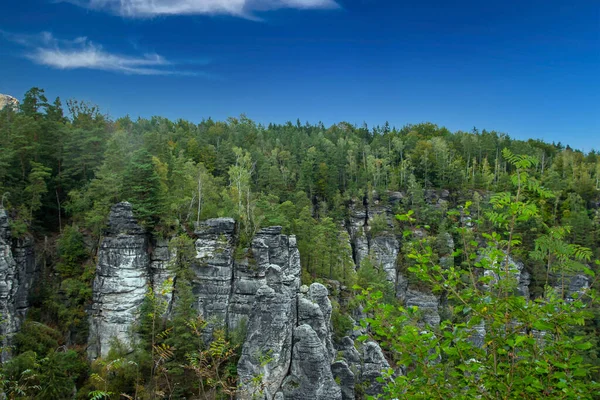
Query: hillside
[{"x": 154, "y": 259}]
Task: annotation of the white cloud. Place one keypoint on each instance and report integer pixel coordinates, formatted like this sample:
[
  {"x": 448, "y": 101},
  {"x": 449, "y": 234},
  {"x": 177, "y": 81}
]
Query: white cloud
[
  {"x": 81, "y": 53},
  {"x": 241, "y": 8}
]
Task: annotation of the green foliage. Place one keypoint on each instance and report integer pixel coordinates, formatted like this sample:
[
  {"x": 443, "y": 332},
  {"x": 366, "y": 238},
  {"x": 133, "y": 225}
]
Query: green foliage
[
  {"x": 529, "y": 348},
  {"x": 72, "y": 252},
  {"x": 141, "y": 187},
  {"x": 51, "y": 377},
  {"x": 369, "y": 275},
  {"x": 341, "y": 322},
  {"x": 378, "y": 224},
  {"x": 60, "y": 172},
  {"x": 37, "y": 337}
]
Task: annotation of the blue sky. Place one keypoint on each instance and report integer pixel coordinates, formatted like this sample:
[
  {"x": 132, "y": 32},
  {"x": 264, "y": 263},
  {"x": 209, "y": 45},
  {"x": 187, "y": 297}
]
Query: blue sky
[{"x": 528, "y": 68}]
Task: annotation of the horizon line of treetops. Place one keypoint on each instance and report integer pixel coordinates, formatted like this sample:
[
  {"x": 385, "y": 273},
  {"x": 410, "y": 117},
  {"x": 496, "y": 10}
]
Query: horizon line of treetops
[{"x": 55, "y": 168}]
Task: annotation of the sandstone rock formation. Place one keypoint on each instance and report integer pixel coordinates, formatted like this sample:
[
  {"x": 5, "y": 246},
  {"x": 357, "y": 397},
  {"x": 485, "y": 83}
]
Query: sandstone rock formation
[
  {"x": 310, "y": 374},
  {"x": 213, "y": 270},
  {"x": 121, "y": 282},
  {"x": 267, "y": 351},
  {"x": 344, "y": 375},
  {"x": 373, "y": 363},
  {"x": 288, "y": 352},
  {"x": 18, "y": 271},
  {"x": 314, "y": 309},
  {"x": 384, "y": 247}
]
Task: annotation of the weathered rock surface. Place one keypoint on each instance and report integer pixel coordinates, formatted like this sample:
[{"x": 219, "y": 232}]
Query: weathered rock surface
[
  {"x": 288, "y": 351},
  {"x": 8, "y": 285},
  {"x": 269, "y": 247},
  {"x": 427, "y": 303},
  {"x": 373, "y": 363},
  {"x": 213, "y": 270},
  {"x": 18, "y": 270},
  {"x": 121, "y": 282},
  {"x": 515, "y": 268},
  {"x": 267, "y": 351},
  {"x": 161, "y": 275},
  {"x": 342, "y": 374},
  {"x": 382, "y": 247},
  {"x": 571, "y": 285},
  {"x": 349, "y": 352},
  {"x": 367, "y": 363},
  {"x": 356, "y": 226},
  {"x": 385, "y": 249},
  {"x": 310, "y": 376},
  {"x": 314, "y": 309}
]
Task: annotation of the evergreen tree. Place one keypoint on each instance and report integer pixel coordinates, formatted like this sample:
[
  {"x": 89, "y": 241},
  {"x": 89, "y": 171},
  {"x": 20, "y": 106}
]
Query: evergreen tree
[{"x": 141, "y": 187}]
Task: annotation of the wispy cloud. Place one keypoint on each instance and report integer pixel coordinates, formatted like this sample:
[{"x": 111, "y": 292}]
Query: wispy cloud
[
  {"x": 82, "y": 53},
  {"x": 240, "y": 8}
]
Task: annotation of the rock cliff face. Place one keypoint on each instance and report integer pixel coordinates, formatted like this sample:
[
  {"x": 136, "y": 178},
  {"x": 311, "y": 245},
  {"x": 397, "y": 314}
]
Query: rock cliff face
[
  {"x": 383, "y": 248},
  {"x": 213, "y": 270},
  {"x": 288, "y": 352},
  {"x": 267, "y": 351},
  {"x": 310, "y": 374},
  {"x": 122, "y": 279},
  {"x": 18, "y": 271}
]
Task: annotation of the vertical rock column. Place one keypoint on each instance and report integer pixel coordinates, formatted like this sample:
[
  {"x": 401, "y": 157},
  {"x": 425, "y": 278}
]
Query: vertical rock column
[
  {"x": 18, "y": 270},
  {"x": 383, "y": 248},
  {"x": 267, "y": 351},
  {"x": 121, "y": 282},
  {"x": 161, "y": 274},
  {"x": 8, "y": 286},
  {"x": 213, "y": 270}
]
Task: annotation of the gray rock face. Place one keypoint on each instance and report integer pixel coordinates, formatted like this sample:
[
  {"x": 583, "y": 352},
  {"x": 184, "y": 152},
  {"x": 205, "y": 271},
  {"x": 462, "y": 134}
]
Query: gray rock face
[
  {"x": 356, "y": 226},
  {"x": 18, "y": 270},
  {"x": 342, "y": 374},
  {"x": 272, "y": 309},
  {"x": 288, "y": 351},
  {"x": 8, "y": 286},
  {"x": 517, "y": 269},
  {"x": 213, "y": 270},
  {"x": 384, "y": 250},
  {"x": 314, "y": 309},
  {"x": 269, "y": 247},
  {"x": 160, "y": 274},
  {"x": 367, "y": 363},
  {"x": 349, "y": 352},
  {"x": 383, "y": 247},
  {"x": 373, "y": 363},
  {"x": 121, "y": 282},
  {"x": 571, "y": 285},
  {"x": 288, "y": 344},
  {"x": 267, "y": 351},
  {"x": 427, "y": 303},
  {"x": 310, "y": 376}
]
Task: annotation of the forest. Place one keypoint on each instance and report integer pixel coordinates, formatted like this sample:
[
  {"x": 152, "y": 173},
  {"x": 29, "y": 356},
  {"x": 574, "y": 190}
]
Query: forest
[{"x": 465, "y": 207}]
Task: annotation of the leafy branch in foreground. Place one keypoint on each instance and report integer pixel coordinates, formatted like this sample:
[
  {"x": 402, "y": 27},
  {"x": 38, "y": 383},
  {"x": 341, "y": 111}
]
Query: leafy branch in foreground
[{"x": 495, "y": 343}]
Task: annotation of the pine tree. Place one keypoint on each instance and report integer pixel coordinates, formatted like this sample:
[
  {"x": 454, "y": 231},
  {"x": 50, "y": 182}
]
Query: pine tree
[{"x": 141, "y": 187}]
